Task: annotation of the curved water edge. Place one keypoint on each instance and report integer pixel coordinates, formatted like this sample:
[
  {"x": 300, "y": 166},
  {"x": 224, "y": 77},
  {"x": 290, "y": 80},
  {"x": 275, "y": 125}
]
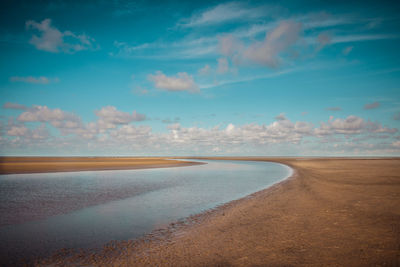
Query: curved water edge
[{"x": 131, "y": 204}]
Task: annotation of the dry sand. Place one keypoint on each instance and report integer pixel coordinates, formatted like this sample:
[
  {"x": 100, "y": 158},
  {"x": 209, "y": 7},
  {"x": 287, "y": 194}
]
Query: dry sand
[
  {"x": 11, "y": 165},
  {"x": 331, "y": 212}
]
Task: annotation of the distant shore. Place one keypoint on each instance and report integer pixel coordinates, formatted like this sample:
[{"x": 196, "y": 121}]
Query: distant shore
[
  {"x": 15, "y": 165},
  {"x": 331, "y": 212}
]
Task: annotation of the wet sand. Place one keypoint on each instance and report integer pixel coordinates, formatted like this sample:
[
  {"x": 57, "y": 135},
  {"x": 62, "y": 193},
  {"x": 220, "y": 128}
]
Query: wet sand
[
  {"x": 331, "y": 212},
  {"x": 13, "y": 165}
]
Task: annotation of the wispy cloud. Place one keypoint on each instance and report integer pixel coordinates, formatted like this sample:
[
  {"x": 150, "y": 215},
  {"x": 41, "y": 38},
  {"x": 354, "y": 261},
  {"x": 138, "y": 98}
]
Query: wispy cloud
[
  {"x": 324, "y": 20},
  {"x": 334, "y": 108},
  {"x": 35, "y": 80},
  {"x": 363, "y": 37},
  {"x": 129, "y": 49},
  {"x": 347, "y": 50},
  {"x": 372, "y": 105},
  {"x": 10, "y": 105},
  {"x": 186, "y": 48},
  {"x": 224, "y": 13},
  {"x": 249, "y": 78},
  {"x": 318, "y": 30}
]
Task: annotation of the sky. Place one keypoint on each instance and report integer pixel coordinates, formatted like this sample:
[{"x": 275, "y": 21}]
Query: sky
[{"x": 198, "y": 78}]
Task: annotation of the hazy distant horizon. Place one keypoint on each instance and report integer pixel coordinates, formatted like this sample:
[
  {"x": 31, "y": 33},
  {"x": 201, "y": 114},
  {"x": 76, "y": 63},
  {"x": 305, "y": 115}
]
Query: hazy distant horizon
[{"x": 219, "y": 78}]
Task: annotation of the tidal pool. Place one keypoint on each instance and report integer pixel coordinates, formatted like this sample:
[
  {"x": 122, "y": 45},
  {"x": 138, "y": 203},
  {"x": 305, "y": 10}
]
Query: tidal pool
[{"x": 42, "y": 213}]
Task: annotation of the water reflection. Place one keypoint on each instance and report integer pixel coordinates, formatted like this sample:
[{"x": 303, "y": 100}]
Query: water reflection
[{"x": 40, "y": 213}]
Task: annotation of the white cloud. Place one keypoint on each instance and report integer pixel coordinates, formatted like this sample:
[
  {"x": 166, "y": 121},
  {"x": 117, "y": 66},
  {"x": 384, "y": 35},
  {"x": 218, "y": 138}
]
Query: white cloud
[
  {"x": 44, "y": 114},
  {"x": 69, "y": 123},
  {"x": 56, "y": 117},
  {"x": 286, "y": 34},
  {"x": 18, "y": 130},
  {"x": 351, "y": 125},
  {"x": 181, "y": 82},
  {"x": 41, "y": 113},
  {"x": 216, "y": 149},
  {"x": 109, "y": 117},
  {"x": 51, "y": 39},
  {"x": 283, "y": 131},
  {"x": 131, "y": 133},
  {"x": 31, "y": 79},
  {"x": 266, "y": 52},
  {"x": 40, "y": 133},
  {"x": 230, "y": 128},
  {"x": 21, "y": 131}
]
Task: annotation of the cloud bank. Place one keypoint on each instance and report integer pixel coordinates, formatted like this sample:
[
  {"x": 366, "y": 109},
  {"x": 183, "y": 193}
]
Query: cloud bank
[{"x": 120, "y": 131}]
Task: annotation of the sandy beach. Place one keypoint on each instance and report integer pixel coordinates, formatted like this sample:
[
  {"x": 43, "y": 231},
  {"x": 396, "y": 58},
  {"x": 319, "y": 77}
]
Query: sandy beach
[
  {"x": 13, "y": 165},
  {"x": 331, "y": 212}
]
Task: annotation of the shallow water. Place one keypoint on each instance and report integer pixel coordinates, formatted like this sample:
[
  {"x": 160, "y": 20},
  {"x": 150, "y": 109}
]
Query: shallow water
[{"x": 41, "y": 213}]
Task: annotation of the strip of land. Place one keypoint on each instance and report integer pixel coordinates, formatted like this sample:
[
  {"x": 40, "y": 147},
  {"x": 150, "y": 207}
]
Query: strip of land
[
  {"x": 14, "y": 165},
  {"x": 331, "y": 212}
]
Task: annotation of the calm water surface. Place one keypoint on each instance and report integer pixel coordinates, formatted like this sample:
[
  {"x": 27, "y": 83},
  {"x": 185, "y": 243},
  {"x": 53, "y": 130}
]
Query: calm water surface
[{"x": 41, "y": 213}]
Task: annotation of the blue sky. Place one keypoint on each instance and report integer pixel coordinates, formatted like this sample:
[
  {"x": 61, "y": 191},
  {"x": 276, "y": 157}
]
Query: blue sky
[{"x": 141, "y": 78}]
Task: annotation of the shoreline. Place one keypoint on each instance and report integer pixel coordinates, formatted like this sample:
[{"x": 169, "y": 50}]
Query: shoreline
[
  {"x": 314, "y": 217},
  {"x": 26, "y": 165},
  {"x": 157, "y": 236}
]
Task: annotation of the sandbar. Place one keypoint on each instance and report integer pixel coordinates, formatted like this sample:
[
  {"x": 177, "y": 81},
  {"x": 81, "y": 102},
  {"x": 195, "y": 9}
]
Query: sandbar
[{"x": 15, "y": 165}]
